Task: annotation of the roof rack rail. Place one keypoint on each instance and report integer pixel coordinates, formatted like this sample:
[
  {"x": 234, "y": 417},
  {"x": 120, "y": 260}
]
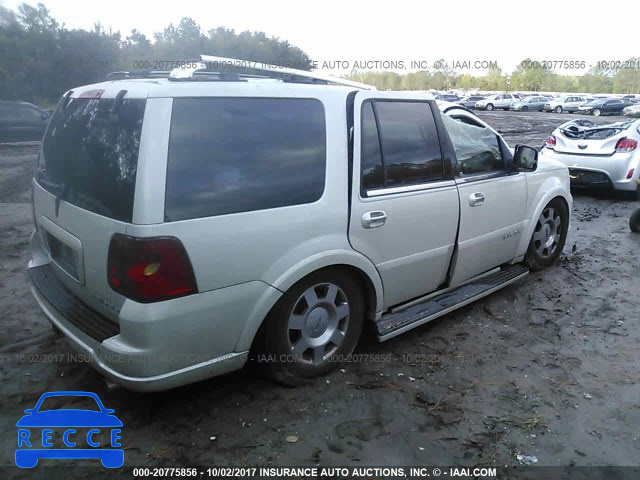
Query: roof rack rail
[
  {"x": 276, "y": 71},
  {"x": 210, "y": 68}
]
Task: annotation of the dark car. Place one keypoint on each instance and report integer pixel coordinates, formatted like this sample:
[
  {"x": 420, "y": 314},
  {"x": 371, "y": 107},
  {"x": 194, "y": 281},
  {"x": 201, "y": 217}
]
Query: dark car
[
  {"x": 448, "y": 97},
  {"x": 22, "y": 122},
  {"x": 470, "y": 101},
  {"x": 605, "y": 106}
]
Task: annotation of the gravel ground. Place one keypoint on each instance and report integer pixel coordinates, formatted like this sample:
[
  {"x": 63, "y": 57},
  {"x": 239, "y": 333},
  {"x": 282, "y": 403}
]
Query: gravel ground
[{"x": 546, "y": 367}]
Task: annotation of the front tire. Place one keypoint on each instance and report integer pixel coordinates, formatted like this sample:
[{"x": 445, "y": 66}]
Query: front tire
[
  {"x": 313, "y": 328},
  {"x": 558, "y": 109},
  {"x": 596, "y": 112},
  {"x": 634, "y": 221},
  {"x": 549, "y": 236},
  {"x": 489, "y": 107},
  {"x": 524, "y": 109}
]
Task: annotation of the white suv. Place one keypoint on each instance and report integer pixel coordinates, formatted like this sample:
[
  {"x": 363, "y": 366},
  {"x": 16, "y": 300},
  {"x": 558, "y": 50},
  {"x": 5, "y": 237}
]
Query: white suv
[{"x": 184, "y": 222}]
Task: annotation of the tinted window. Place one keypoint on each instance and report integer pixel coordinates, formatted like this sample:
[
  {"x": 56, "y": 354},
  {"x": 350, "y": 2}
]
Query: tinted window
[
  {"x": 477, "y": 148},
  {"x": 90, "y": 155},
  {"x": 410, "y": 148},
  {"x": 371, "y": 158},
  {"x": 229, "y": 155}
]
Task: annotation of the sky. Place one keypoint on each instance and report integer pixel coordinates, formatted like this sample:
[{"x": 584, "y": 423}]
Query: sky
[{"x": 355, "y": 31}]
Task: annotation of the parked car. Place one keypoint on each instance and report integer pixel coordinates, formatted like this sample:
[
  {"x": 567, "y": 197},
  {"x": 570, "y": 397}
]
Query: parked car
[
  {"x": 597, "y": 155},
  {"x": 448, "y": 97},
  {"x": 567, "y": 103},
  {"x": 470, "y": 101},
  {"x": 180, "y": 225},
  {"x": 22, "y": 122},
  {"x": 536, "y": 103},
  {"x": 632, "y": 110},
  {"x": 605, "y": 106},
  {"x": 501, "y": 100}
]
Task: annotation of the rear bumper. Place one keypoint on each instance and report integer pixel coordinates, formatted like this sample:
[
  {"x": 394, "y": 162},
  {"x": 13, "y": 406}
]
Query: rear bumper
[
  {"x": 128, "y": 366},
  {"x": 599, "y": 171}
]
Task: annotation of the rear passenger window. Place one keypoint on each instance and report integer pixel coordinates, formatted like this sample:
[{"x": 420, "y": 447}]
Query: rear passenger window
[
  {"x": 230, "y": 155},
  {"x": 410, "y": 148},
  {"x": 371, "y": 157}
]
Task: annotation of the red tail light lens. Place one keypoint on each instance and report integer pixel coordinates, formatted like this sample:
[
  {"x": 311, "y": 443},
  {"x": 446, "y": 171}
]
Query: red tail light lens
[
  {"x": 630, "y": 174},
  {"x": 149, "y": 269},
  {"x": 626, "y": 145},
  {"x": 551, "y": 142}
]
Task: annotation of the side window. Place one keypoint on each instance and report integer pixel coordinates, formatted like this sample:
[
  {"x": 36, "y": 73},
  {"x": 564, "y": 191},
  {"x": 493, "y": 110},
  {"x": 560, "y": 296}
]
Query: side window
[
  {"x": 371, "y": 156},
  {"x": 410, "y": 147},
  {"x": 477, "y": 147},
  {"x": 230, "y": 155}
]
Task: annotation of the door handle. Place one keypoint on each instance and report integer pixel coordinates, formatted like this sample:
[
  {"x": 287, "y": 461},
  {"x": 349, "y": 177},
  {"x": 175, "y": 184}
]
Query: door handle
[
  {"x": 374, "y": 219},
  {"x": 476, "y": 199}
]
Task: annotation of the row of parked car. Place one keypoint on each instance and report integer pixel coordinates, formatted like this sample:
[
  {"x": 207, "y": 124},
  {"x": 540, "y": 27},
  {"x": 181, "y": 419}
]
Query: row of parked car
[{"x": 627, "y": 105}]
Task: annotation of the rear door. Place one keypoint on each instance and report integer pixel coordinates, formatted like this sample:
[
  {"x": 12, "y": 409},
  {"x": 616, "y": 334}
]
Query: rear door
[
  {"x": 492, "y": 201},
  {"x": 404, "y": 204},
  {"x": 84, "y": 189}
]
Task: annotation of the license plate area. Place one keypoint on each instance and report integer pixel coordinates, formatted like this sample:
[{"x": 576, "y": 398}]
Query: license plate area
[
  {"x": 63, "y": 255},
  {"x": 65, "y": 249}
]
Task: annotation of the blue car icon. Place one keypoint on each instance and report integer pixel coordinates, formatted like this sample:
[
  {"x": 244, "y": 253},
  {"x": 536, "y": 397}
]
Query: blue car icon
[{"x": 100, "y": 421}]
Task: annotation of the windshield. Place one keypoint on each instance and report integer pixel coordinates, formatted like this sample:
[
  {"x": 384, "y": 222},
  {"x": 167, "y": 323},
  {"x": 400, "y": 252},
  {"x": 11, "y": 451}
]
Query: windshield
[{"x": 90, "y": 155}]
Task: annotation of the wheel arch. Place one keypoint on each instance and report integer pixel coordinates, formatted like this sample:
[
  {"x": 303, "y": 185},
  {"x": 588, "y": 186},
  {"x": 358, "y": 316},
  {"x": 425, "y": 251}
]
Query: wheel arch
[
  {"x": 550, "y": 189},
  {"x": 361, "y": 268}
]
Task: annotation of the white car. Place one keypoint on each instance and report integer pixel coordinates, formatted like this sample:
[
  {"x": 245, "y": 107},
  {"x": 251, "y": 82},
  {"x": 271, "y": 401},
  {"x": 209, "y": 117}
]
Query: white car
[
  {"x": 567, "y": 103},
  {"x": 632, "y": 110},
  {"x": 500, "y": 100},
  {"x": 597, "y": 155},
  {"x": 182, "y": 223}
]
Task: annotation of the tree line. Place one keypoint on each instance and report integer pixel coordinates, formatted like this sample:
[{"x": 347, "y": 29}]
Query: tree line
[
  {"x": 41, "y": 59},
  {"x": 530, "y": 75}
]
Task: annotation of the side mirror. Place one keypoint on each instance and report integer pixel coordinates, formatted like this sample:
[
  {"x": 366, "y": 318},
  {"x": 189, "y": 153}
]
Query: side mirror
[
  {"x": 44, "y": 115},
  {"x": 525, "y": 158}
]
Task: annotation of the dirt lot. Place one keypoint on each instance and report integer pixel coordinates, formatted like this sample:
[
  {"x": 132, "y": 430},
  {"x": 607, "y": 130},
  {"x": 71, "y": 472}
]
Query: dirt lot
[{"x": 546, "y": 367}]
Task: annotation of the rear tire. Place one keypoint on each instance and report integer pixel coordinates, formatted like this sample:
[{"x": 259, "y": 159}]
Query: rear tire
[
  {"x": 489, "y": 107},
  {"x": 634, "y": 221},
  {"x": 558, "y": 109},
  {"x": 313, "y": 328},
  {"x": 549, "y": 236}
]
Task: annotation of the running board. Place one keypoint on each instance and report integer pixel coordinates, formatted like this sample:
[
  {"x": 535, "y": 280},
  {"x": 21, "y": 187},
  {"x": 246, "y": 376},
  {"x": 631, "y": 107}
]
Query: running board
[{"x": 394, "y": 324}]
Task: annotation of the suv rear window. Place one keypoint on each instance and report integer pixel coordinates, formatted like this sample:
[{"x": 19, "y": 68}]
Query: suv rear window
[
  {"x": 90, "y": 155},
  {"x": 230, "y": 155}
]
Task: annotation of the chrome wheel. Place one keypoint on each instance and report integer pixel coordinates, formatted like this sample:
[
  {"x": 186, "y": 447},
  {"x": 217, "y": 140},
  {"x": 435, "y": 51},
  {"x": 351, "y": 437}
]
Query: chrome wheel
[
  {"x": 546, "y": 236},
  {"x": 318, "y": 323},
  {"x": 558, "y": 109},
  {"x": 596, "y": 113}
]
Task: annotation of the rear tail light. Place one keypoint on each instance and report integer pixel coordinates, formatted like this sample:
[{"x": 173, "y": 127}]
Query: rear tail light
[
  {"x": 626, "y": 145},
  {"x": 551, "y": 142},
  {"x": 630, "y": 174},
  {"x": 149, "y": 269}
]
